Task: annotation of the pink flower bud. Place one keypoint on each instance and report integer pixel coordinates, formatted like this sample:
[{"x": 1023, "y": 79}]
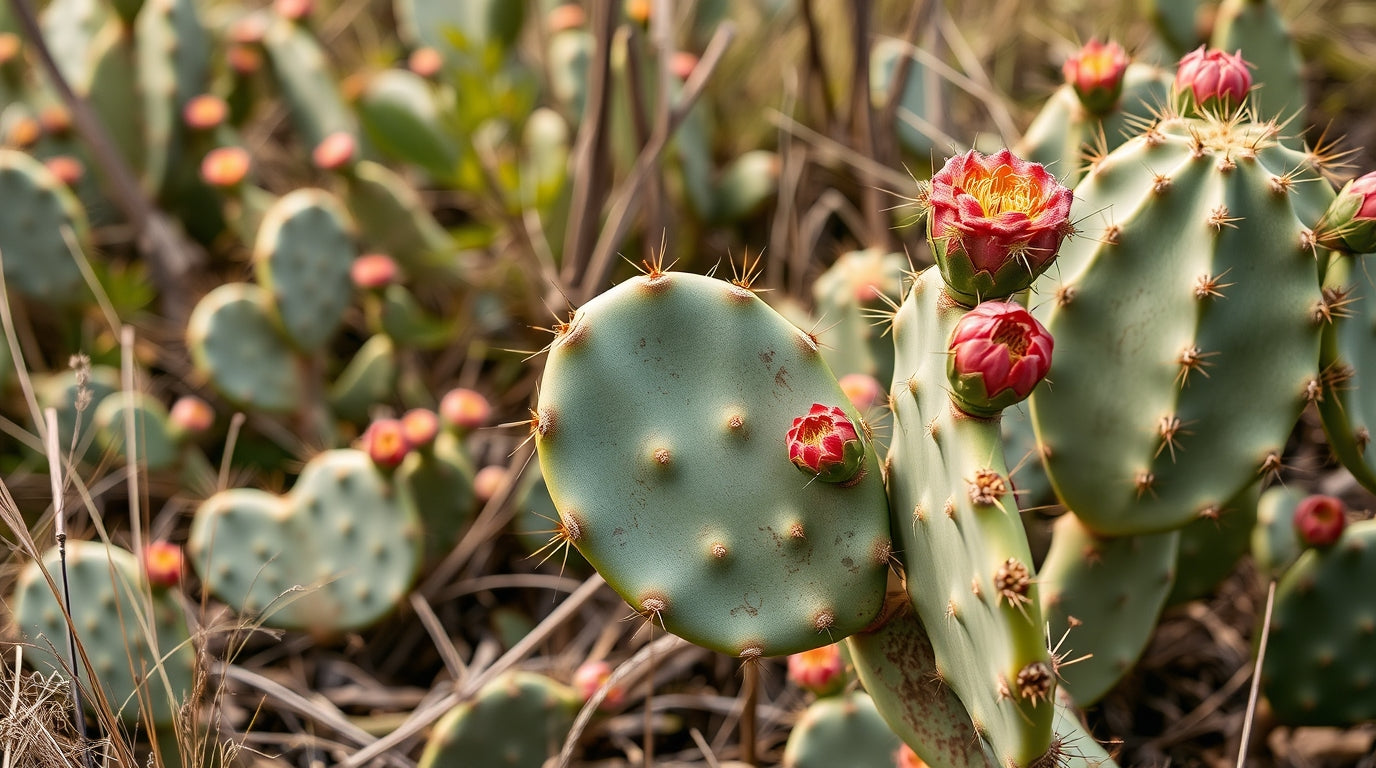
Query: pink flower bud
[
  {"x": 682, "y": 64},
  {"x": 205, "y": 112},
  {"x": 334, "y": 151},
  {"x": 1319, "y": 520},
  {"x": 465, "y": 410},
  {"x": 488, "y": 481},
  {"x": 23, "y": 133},
  {"x": 820, "y": 670},
  {"x": 419, "y": 426},
  {"x": 191, "y": 415},
  {"x": 225, "y": 167},
  {"x": 564, "y": 17},
  {"x": 426, "y": 62},
  {"x": 591, "y": 676},
  {"x": 244, "y": 59},
  {"x": 994, "y": 223},
  {"x": 998, "y": 354},
  {"x": 824, "y": 443},
  {"x": 1096, "y": 73},
  {"x": 162, "y": 564},
  {"x": 372, "y": 271},
  {"x": 1350, "y": 222},
  {"x": 386, "y": 444},
  {"x": 863, "y": 390},
  {"x": 1215, "y": 80},
  {"x": 55, "y": 120},
  {"x": 66, "y": 168}
]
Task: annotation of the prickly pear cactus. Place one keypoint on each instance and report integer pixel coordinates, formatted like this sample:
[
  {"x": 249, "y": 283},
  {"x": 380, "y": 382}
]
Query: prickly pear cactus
[
  {"x": 852, "y": 296},
  {"x": 236, "y": 345},
  {"x": 336, "y": 553},
  {"x": 309, "y": 88},
  {"x": 1349, "y": 368},
  {"x": 841, "y": 730},
  {"x": 402, "y": 117},
  {"x": 173, "y": 54},
  {"x": 38, "y": 262},
  {"x": 1064, "y": 135},
  {"x": 113, "y": 613},
  {"x": 662, "y": 428},
  {"x": 156, "y": 446},
  {"x": 1103, "y": 596},
  {"x": 518, "y": 720},
  {"x": 369, "y": 378},
  {"x": 1211, "y": 548},
  {"x": 1320, "y": 665},
  {"x": 302, "y": 258},
  {"x": 896, "y": 664},
  {"x": 1275, "y": 544},
  {"x": 1187, "y": 317},
  {"x": 969, "y": 571},
  {"x": 440, "y": 478}
]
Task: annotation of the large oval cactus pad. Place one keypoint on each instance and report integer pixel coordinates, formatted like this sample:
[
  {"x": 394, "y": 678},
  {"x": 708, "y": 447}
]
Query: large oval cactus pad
[{"x": 662, "y": 426}]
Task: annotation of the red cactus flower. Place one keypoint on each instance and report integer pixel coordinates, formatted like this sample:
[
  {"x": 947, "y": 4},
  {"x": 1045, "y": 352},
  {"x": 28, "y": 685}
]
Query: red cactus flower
[
  {"x": 994, "y": 223},
  {"x": 1215, "y": 80},
  {"x": 1319, "y": 520},
  {"x": 1096, "y": 73},
  {"x": 907, "y": 758},
  {"x": 162, "y": 564},
  {"x": 824, "y": 444},
  {"x": 372, "y": 271},
  {"x": 820, "y": 670},
  {"x": 225, "y": 167},
  {"x": 1350, "y": 222},
  {"x": 591, "y": 676},
  {"x": 386, "y": 443},
  {"x": 335, "y": 151},
  {"x": 465, "y": 410},
  {"x": 419, "y": 426},
  {"x": 205, "y": 112},
  {"x": 999, "y": 353}
]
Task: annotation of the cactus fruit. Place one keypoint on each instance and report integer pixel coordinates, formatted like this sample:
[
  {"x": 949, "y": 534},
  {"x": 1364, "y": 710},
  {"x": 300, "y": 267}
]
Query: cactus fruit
[
  {"x": 1096, "y": 75},
  {"x": 969, "y": 570},
  {"x": 303, "y": 257},
  {"x": 661, "y": 430},
  {"x": 469, "y": 29},
  {"x": 38, "y": 209},
  {"x": 998, "y": 353},
  {"x": 236, "y": 345},
  {"x": 518, "y": 720},
  {"x": 114, "y": 616},
  {"x": 162, "y": 564},
  {"x": 1101, "y": 598},
  {"x": 385, "y": 443},
  {"x": 841, "y": 730},
  {"x": 336, "y": 553},
  {"x": 1319, "y": 521},
  {"x": 1320, "y": 665},
  {"x": 820, "y": 671},
  {"x": 1350, "y": 223},
  {"x": 1216, "y": 345}
]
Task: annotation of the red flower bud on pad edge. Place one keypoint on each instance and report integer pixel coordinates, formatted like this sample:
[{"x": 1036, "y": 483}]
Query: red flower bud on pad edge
[
  {"x": 1215, "y": 81},
  {"x": 1349, "y": 224},
  {"x": 994, "y": 224},
  {"x": 824, "y": 444},
  {"x": 1319, "y": 521},
  {"x": 998, "y": 355},
  {"x": 1096, "y": 73}
]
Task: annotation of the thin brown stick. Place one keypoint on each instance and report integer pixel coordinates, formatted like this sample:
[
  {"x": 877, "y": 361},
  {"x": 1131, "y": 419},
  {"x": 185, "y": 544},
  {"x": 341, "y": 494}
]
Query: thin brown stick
[
  {"x": 885, "y": 147},
  {"x": 862, "y": 123},
  {"x": 1256, "y": 677},
  {"x": 816, "y": 65},
  {"x": 590, "y": 150},
  {"x": 749, "y": 706}
]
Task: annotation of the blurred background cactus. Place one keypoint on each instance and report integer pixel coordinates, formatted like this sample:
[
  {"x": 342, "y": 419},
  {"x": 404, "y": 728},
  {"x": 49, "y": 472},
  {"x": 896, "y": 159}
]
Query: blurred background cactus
[{"x": 299, "y": 288}]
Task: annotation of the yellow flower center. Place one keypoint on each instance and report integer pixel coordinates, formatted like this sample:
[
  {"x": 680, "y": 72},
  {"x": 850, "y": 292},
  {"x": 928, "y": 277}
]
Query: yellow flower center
[
  {"x": 1002, "y": 190},
  {"x": 1099, "y": 63}
]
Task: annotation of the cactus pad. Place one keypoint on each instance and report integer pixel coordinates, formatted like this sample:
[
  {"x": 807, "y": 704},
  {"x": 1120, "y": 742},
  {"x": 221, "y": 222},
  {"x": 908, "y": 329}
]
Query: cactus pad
[
  {"x": 1320, "y": 665},
  {"x": 346, "y": 538},
  {"x": 110, "y": 611},
  {"x": 302, "y": 257},
  {"x": 841, "y": 730},
  {"x": 518, "y": 720},
  {"x": 38, "y": 262},
  {"x": 235, "y": 344},
  {"x": 661, "y": 429}
]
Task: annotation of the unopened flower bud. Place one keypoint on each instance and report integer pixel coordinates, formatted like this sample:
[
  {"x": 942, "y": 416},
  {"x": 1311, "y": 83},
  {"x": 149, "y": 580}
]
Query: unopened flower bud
[
  {"x": 488, "y": 481},
  {"x": 420, "y": 426},
  {"x": 1350, "y": 221},
  {"x": 1214, "y": 80},
  {"x": 335, "y": 151},
  {"x": 863, "y": 390},
  {"x": 205, "y": 112},
  {"x": 465, "y": 410},
  {"x": 372, "y": 271},
  {"x": 998, "y": 354},
  {"x": 162, "y": 564},
  {"x": 191, "y": 416},
  {"x": 225, "y": 167},
  {"x": 1319, "y": 521},
  {"x": 426, "y": 62},
  {"x": 591, "y": 676},
  {"x": 385, "y": 442}
]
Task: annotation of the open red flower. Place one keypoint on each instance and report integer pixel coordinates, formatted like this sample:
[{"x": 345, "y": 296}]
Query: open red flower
[
  {"x": 999, "y": 353},
  {"x": 824, "y": 444},
  {"x": 162, "y": 564},
  {"x": 1096, "y": 73},
  {"x": 820, "y": 670},
  {"x": 994, "y": 223}
]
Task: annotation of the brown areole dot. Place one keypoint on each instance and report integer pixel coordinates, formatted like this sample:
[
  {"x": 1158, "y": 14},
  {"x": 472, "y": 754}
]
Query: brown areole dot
[
  {"x": 1034, "y": 682},
  {"x": 795, "y": 532},
  {"x": 823, "y": 620},
  {"x": 661, "y": 456},
  {"x": 1012, "y": 580},
  {"x": 718, "y": 550}
]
